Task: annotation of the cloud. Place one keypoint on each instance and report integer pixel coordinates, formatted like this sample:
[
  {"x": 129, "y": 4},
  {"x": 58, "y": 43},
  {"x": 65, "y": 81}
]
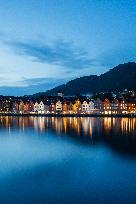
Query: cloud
[
  {"x": 49, "y": 82},
  {"x": 31, "y": 86},
  {"x": 59, "y": 53}
]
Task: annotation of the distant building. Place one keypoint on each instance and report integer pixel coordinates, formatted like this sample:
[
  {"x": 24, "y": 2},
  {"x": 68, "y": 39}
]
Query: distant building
[{"x": 60, "y": 94}]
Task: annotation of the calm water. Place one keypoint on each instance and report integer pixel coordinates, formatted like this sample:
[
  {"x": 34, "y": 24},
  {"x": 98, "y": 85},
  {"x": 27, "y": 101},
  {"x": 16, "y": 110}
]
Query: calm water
[{"x": 67, "y": 160}]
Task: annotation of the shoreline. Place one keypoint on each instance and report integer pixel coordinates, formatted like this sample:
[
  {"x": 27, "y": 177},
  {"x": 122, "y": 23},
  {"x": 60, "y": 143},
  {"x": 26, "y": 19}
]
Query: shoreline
[{"x": 68, "y": 115}]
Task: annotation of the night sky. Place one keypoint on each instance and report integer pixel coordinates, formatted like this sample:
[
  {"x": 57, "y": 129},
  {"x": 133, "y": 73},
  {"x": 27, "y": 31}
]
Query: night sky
[{"x": 44, "y": 43}]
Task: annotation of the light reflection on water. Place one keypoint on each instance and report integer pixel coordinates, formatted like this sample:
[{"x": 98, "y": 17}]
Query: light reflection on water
[
  {"x": 83, "y": 128},
  {"x": 63, "y": 125},
  {"x": 67, "y": 160}
]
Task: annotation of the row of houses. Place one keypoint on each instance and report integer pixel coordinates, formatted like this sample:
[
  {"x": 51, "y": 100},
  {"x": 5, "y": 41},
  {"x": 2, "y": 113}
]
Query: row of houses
[
  {"x": 105, "y": 106},
  {"x": 53, "y": 107}
]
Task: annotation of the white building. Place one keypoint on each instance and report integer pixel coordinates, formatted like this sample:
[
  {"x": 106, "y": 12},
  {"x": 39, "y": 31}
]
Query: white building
[
  {"x": 41, "y": 107},
  {"x": 85, "y": 106},
  {"x": 58, "y": 106},
  {"x": 60, "y": 94},
  {"x": 36, "y": 107},
  {"x": 91, "y": 107}
]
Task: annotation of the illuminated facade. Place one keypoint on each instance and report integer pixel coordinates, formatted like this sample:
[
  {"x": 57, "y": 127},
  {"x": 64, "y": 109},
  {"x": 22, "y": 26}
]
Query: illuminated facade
[
  {"x": 85, "y": 107},
  {"x": 41, "y": 107},
  {"x": 77, "y": 107},
  {"x": 107, "y": 107},
  {"x": 69, "y": 105},
  {"x": 65, "y": 107},
  {"x": 36, "y": 107},
  {"x": 131, "y": 107},
  {"x": 26, "y": 107},
  {"x": 58, "y": 106},
  {"x": 115, "y": 106},
  {"x": 123, "y": 107}
]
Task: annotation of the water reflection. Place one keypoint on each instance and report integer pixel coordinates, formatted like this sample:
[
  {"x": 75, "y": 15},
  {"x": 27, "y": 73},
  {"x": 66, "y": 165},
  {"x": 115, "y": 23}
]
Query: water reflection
[
  {"x": 82, "y": 166},
  {"x": 80, "y": 125},
  {"x": 114, "y": 130}
]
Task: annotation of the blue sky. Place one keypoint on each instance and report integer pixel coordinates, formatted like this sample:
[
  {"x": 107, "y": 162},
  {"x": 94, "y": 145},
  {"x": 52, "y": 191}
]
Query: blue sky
[{"x": 44, "y": 43}]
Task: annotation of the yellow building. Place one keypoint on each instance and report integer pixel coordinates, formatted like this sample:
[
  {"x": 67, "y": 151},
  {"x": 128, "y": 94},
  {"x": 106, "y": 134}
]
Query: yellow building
[{"x": 77, "y": 107}]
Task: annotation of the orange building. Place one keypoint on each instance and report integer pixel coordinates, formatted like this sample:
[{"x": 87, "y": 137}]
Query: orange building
[
  {"x": 106, "y": 106},
  {"x": 65, "y": 107},
  {"x": 77, "y": 107},
  {"x": 131, "y": 106},
  {"x": 123, "y": 107},
  {"x": 26, "y": 107}
]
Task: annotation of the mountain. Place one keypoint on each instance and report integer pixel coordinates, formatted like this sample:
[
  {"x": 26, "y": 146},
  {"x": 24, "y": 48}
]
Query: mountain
[{"x": 119, "y": 78}]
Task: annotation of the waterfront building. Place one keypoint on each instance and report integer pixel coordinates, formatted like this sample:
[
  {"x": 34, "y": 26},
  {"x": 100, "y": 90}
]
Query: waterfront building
[
  {"x": 91, "y": 107},
  {"x": 123, "y": 107},
  {"x": 65, "y": 107},
  {"x": 70, "y": 106},
  {"x": 58, "y": 106},
  {"x": 36, "y": 107},
  {"x": 77, "y": 107},
  {"x": 98, "y": 105},
  {"x": 21, "y": 107},
  {"x": 41, "y": 107},
  {"x": 85, "y": 107},
  {"x": 131, "y": 106},
  {"x": 52, "y": 108},
  {"x": 26, "y": 107},
  {"x": 104, "y": 104},
  {"x": 30, "y": 106},
  {"x": 115, "y": 106},
  {"x": 107, "y": 106},
  {"x": 47, "y": 107}
]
